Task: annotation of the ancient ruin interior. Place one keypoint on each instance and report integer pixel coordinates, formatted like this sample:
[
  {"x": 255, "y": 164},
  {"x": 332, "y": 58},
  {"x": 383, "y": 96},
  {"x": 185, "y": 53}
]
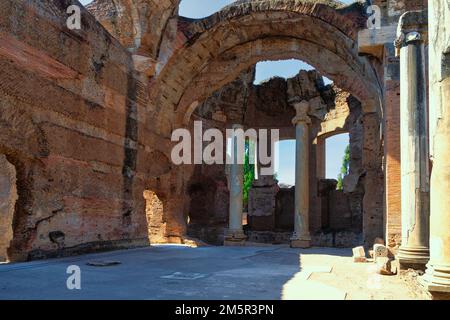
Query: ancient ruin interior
[
  {"x": 87, "y": 117},
  {"x": 335, "y": 215}
]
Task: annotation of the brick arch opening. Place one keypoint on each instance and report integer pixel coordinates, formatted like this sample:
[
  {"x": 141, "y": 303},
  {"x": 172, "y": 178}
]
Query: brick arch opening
[
  {"x": 341, "y": 208},
  {"x": 322, "y": 153},
  {"x": 211, "y": 52}
]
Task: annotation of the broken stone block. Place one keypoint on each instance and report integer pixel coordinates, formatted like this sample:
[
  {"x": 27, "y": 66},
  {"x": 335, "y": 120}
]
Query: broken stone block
[
  {"x": 359, "y": 254},
  {"x": 351, "y": 181},
  {"x": 394, "y": 266},
  {"x": 384, "y": 266},
  {"x": 380, "y": 251},
  {"x": 261, "y": 204}
]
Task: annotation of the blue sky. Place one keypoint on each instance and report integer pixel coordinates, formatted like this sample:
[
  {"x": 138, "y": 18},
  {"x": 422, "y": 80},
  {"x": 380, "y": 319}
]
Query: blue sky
[
  {"x": 267, "y": 69},
  {"x": 285, "y": 164},
  {"x": 202, "y": 8}
]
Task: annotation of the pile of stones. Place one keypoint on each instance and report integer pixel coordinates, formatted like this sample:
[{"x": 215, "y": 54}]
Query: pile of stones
[{"x": 380, "y": 255}]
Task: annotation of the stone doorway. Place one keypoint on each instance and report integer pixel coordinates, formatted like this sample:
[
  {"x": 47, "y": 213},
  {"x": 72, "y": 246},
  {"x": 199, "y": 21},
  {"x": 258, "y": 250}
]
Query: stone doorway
[{"x": 8, "y": 198}]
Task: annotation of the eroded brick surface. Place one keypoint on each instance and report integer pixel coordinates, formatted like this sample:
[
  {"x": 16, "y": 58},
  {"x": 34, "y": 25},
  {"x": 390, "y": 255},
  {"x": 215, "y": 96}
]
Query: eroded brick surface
[{"x": 87, "y": 126}]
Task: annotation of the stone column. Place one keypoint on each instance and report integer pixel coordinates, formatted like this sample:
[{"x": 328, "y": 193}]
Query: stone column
[
  {"x": 235, "y": 234},
  {"x": 437, "y": 277},
  {"x": 301, "y": 237},
  {"x": 414, "y": 251}
]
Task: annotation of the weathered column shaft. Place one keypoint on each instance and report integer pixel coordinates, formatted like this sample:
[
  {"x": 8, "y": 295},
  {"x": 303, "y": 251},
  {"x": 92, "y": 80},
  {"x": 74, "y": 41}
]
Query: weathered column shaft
[
  {"x": 438, "y": 269},
  {"x": 414, "y": 251},
  {"x": 301, "y": 237},
  {"x": 437, "y": 277},
  {"x": 301, "y": 180},
  {"x": 235, "y": 234}
]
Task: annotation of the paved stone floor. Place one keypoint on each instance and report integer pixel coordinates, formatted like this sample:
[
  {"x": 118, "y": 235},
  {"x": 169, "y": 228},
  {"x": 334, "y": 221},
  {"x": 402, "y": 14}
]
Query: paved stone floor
[{"x": 180, "y": 272}]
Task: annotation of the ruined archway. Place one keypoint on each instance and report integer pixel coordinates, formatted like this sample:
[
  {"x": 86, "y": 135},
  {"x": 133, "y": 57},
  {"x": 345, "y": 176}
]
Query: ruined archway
[
  {"x": 213, "y": 51},
  {"x": 195, "y": 58}
]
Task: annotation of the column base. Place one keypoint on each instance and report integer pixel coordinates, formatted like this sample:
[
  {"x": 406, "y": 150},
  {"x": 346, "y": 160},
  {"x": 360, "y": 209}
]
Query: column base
[
  {"x": 437, "y": 279},
  {"x": 413, "y": 258},
  {"x": 234, "y": 239},
  {"x": 234, "y": 243},
  {"x": 302, "y": 242}
]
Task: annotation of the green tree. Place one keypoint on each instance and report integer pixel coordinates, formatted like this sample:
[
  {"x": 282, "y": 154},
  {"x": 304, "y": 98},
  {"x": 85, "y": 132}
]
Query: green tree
[
  {"x": 344, "y": 168},
  {"x": 249, "y": 172}
]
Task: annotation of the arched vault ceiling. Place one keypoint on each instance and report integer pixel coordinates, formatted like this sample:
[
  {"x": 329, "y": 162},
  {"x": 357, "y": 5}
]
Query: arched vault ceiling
[{"x": 208, "y": 53}]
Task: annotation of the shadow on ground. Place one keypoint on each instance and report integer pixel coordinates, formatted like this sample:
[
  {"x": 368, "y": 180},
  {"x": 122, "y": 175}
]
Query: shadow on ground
[{"x": 162, "y": 272}]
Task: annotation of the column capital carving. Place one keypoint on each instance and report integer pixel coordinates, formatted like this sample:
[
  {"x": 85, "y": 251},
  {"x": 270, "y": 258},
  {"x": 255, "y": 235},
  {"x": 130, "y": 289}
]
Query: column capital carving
[
  {"x": 412, "y": 27},
  {"x": 302, "y": 109},
  {"x": 403, "y": 39}
]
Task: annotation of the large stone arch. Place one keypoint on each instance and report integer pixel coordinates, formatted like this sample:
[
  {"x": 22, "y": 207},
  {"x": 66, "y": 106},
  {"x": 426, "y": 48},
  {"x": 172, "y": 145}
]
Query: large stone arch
[{"x": 211, "y": 52}]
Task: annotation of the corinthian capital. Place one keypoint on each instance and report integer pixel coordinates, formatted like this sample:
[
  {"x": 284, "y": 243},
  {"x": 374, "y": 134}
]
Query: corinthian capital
[
  {"x": 412, "y": 27},
  {"x": 302, "y": 109}
]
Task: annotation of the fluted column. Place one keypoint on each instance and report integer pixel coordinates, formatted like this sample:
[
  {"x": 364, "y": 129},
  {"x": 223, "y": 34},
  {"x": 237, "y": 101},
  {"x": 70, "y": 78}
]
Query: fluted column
[
  {"x": 235, "y": 233},
  {"x": 415, "y": 179},
  {"x": 301, "y": 237}
]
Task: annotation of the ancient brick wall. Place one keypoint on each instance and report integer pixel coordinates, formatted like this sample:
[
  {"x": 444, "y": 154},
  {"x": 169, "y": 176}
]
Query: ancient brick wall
[
  {"x": 73, "y": 123},
  {"x": 86, "y": 115},
  {"x": 8, "y": 198}
]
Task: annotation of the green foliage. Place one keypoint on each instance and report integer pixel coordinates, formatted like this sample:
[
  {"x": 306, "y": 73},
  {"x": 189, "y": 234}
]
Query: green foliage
[
  {"x": 249, "y": 172},
  {"x": 344, "y": 169}
]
